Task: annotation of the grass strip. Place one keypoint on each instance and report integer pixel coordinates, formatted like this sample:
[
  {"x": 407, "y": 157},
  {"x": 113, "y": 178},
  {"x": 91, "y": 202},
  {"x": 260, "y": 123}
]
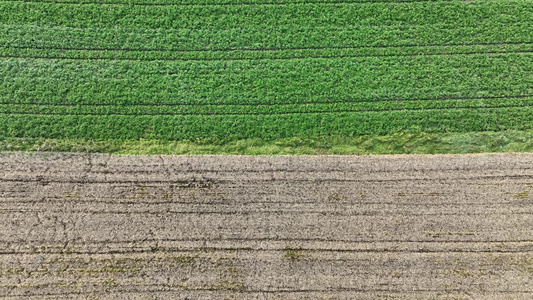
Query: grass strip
[{"x": 398, "y": 143}]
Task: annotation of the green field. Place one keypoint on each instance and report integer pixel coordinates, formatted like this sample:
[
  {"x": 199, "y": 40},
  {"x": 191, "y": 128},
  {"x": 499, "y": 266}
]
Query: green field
[{"x": 223, "y": 71}]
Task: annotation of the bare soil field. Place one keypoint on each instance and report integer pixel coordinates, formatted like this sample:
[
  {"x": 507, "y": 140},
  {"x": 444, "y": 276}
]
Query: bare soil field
[{"x": 91, "y": 226}]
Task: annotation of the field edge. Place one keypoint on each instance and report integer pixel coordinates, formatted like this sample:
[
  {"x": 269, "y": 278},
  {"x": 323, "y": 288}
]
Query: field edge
[{"x": 399, "y": 143}]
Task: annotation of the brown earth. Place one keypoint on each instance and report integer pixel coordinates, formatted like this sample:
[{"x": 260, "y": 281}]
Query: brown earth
[{"x": 87, "y": 226}]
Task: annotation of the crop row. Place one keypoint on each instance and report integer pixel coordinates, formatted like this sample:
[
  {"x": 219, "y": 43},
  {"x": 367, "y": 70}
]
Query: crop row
[
  {"x": 264, "y": 82},
  {"x": 59, "y": 53},
  {"x": 264, "y": 110},
  {"x": 345, "y": 52},
  {"x": 456, "y": 13},
  {"x": 265, "y": 126},
  {"x": 261, "y": 38}
]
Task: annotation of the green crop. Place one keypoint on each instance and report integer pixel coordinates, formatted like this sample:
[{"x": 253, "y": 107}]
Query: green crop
[{"x": 197, "y": 69}]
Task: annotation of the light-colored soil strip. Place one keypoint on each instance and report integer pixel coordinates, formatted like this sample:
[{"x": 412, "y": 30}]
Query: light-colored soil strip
[{"x": 93, "y": 226}]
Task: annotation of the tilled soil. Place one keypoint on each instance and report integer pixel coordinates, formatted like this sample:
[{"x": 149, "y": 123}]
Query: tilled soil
[{"x": 90, "y": 226}]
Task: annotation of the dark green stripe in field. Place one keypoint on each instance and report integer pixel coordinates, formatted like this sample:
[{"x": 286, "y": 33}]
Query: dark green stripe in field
[
  {"x": 195, "y": 69},
  {"x": 285, "y": 54},
  {"x": 259, "y": 109},
  {"x": 261, "y": 38},
  {"x": 265, "y": 126}
]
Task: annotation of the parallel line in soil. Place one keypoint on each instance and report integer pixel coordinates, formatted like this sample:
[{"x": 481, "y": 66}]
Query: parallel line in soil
[
  {"x": 314, "y": 180},
  {"x": 259, "y": 212},
  {"x": 255, "y": 239},
  {"x": 169, "y": 168},
  {"x": 178, "y": 183},
  {"x": 263, "y": 58},
  {"x": 247, "y": 249},
  {"x": 274, "y": 104},
  {"x": 273, "y": 113},
  {"x": 173, "y": 169},
  {"x": 245, "y": 291},
  {"x": 232, "y": 203},
  {"x": 262, "y": 49}
]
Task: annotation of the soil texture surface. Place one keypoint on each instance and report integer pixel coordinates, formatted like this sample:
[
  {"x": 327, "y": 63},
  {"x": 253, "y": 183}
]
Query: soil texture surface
[{"x": 94, "y": 226}]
